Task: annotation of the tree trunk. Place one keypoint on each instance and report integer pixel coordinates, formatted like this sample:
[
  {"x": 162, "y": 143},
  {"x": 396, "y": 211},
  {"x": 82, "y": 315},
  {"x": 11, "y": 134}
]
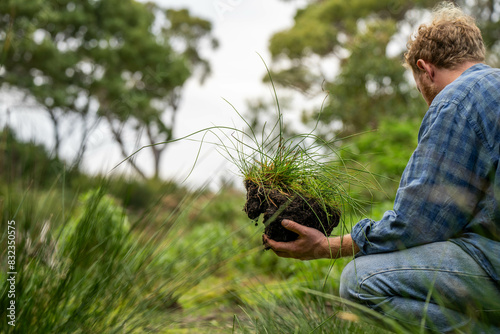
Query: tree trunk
[
  {"x": 118, "y": 138},
  {"x": 57, "y": 137}
]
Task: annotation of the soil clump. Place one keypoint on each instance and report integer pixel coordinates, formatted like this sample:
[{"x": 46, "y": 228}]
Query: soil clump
[{"x": 277, "y": 205}]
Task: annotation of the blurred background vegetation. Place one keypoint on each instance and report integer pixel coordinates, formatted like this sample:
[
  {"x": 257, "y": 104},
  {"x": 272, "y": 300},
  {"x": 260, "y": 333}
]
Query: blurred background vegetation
[{"x": 135, "y": 253}]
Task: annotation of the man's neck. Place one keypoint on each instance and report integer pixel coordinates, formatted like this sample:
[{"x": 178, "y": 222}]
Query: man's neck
[{"x": 443, "y": 76}]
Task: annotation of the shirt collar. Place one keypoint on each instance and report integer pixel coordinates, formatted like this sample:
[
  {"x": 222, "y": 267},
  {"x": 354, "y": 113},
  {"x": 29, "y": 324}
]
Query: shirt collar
[{"x": 473, "y": 68}]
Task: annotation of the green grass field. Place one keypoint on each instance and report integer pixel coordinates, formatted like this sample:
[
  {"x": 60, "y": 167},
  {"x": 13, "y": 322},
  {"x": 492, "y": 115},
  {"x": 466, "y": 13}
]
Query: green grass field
[{"x": 186, "y": 264}]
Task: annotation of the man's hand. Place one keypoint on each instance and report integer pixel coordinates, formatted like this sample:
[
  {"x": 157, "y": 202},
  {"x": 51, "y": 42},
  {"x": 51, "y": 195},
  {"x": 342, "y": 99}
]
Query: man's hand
[{"x": 311, "y": 244}]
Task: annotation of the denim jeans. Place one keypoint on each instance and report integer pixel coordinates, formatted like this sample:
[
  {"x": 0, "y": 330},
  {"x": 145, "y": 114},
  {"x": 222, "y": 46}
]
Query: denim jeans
[{"x": 437, "y": 286}]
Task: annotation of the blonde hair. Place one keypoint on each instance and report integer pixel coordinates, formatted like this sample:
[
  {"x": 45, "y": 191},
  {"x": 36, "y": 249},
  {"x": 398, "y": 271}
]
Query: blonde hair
[{"x": 451, "y": 39}]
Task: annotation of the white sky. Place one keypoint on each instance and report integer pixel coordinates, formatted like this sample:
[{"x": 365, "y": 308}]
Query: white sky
[{"x": 243, "y": 28}]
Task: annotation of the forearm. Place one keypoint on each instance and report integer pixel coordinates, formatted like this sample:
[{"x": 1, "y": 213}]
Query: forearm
[
  {"x": 311, "y": 244},
  {"x": 337, "y": 247}
]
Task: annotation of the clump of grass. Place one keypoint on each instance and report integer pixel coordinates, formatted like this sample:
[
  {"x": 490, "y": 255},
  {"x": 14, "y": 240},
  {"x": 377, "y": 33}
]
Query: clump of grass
[
  {"x": 297, "y": 165},
  {"x": 293, "y": 308}
]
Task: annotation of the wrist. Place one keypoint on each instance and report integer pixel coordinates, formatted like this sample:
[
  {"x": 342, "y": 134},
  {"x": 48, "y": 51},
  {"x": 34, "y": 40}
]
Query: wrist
[
  {"x": 327, "y": 248},
  {"x": 337, "y": 247}
]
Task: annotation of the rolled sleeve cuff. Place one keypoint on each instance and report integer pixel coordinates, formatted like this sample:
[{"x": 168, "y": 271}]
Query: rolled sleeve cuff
[{"x": 359, "y": 235}]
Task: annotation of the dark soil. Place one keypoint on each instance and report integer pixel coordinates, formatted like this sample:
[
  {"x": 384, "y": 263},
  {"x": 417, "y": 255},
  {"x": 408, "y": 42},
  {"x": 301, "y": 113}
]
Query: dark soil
[{"x": 276, "y": 206}]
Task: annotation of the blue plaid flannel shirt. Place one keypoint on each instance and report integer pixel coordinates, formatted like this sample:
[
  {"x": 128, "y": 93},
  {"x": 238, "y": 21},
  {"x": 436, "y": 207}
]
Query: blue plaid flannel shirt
[{"x": 450, "y": 189}]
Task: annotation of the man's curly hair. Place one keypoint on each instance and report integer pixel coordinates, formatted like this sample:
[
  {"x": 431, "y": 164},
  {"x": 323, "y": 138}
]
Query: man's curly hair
[{"x": 451, "y": 39}]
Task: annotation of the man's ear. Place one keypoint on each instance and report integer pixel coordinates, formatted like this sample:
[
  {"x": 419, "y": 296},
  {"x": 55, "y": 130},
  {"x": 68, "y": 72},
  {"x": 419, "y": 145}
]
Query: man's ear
[{"x": 426, "y": 67}]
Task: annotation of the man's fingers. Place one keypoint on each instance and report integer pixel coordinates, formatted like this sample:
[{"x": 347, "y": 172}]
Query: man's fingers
[
  {"x": 309, "y": 244},
  {"x": 282, "y": 254},
  {"x": 293, "y": 226},
  {"x": 277, "y": 246},
  {"x": 272, "y": 244}
]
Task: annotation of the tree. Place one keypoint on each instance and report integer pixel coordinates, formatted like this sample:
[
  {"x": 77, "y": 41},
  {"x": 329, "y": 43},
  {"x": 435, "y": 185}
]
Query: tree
[{"x": 109, "y": 60}]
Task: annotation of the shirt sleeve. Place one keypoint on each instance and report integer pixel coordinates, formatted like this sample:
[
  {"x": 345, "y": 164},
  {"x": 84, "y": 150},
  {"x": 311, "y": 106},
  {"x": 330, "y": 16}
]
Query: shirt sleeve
[{"x": 439, "y": 189}]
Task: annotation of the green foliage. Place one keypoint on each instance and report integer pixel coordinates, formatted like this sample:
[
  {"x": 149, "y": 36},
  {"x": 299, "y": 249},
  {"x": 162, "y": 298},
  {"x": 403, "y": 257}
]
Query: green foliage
[
  {"x": 487, "y": 18},
  {"x": 191, "y": 31},
  {"x": 224, "y": 206},
  {"x": 384, "y": 153},
  {"x": 369, "y": 89},
  {"x": 138, "y": 195},
  {"x": 65, "y": 283},
  {"x": 100, "y": 229},
  {"x": 292, "y": 308},
  {"x": 93, "y": 274},
  {"x": 29, "y": 162}
]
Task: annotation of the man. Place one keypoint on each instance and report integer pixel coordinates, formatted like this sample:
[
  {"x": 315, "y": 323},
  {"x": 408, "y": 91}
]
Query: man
[{"x": 434, "y": 260}]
